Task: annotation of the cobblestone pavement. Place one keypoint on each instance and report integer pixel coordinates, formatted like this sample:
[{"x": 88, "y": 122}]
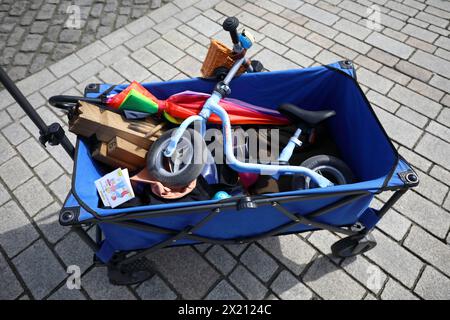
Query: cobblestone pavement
[
  {"x": 404, "y": 68},
  {"x": 35, "y": 34}
]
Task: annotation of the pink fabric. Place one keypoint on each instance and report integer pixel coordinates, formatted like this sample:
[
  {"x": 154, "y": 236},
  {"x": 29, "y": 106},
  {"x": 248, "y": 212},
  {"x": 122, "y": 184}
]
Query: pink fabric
[{"x": 159, "y": 189}]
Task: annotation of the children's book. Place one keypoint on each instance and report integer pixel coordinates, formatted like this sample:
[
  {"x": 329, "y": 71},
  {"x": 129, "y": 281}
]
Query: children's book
[{"x": 115, "y": 188}]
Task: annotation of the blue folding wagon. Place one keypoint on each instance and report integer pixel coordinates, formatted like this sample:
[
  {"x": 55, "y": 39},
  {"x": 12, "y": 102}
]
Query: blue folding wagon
[{"x": 125, "y": 236}]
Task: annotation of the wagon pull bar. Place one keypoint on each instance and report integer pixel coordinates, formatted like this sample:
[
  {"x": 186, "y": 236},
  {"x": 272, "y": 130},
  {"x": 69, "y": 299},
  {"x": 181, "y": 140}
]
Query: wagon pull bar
[{"x": 54, "y": 133}]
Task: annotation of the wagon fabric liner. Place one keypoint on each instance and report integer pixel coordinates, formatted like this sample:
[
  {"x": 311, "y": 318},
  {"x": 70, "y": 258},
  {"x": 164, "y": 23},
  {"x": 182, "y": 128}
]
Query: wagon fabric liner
[{"x": 361, "y": 139}]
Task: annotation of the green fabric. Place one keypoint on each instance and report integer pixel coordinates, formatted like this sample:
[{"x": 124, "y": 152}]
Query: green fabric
[{"x": 137, "y": 101}]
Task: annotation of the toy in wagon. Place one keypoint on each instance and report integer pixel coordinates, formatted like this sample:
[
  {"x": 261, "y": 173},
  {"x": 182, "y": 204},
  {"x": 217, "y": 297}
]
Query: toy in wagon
[{"x": 145, "y": 174}]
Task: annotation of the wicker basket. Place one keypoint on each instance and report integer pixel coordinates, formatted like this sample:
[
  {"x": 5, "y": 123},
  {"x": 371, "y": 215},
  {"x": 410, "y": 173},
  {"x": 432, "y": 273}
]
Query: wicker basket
[{"x": 219, "y": 55}]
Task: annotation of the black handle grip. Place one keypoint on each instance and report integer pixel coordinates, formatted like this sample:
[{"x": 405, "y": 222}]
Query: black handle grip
[
  {"x": 231, "y": 24},
  {"x": 68, "y": 102}
]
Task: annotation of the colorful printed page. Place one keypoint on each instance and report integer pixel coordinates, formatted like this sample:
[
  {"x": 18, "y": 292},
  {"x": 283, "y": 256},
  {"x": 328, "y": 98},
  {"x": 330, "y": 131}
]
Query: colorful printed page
[{"x": 115, "y": 188}]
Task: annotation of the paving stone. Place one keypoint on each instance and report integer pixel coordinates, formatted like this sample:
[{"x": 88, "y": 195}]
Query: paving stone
[
  {"x": 4, "y": 119},
  {"x": 382, "y": 101},
  {"x": 429, "y": 248},
  {"x": 11, "y": 288},
  {"x": 323, "y": 240},
  {"x": 420, "y": 32},
  {"x": 290, "y": 250},
  {"x": 31, "y": 43},
  {"x": 4, "y": 195},
  {"x": 88, "y": 70},
  {"x": 66, "y": 65},
  {"x": 412, "y": 116},
  {"x": 383, "y": 57},
  {"x": 6, "y": 151},
  {"x": 97, "y": 285},
  {"x": 130, "y": 69},
  {"x": 163, "y": 13},
  {"x": 236, "y": 249},
  {"x": 275, "y": 46},
  {"x": 431, "y": 62},
  {"x": 248, "y": 284},
  {"x": 395, "y": 291},
  {"x": 39, "y": 269},
  {"x": 433, "y": 285},
  {"x": 32, "y": 152},
  {"x": 276, "y": 33},
  {"x": 48, "y": 170},
  {"x": 353, "y": 43},
  {"x": 72, "y": 250},
  {"x": 259, "y": 262},
  {"x": 155, "y": 289},
  {"x": 394, "y": 225},
  {"x": 166, "y": 51},
  {"x": 395, "y": 260},
  {"x": 287, "y": 287},
  {"x": 70, "y": 36},
  {"x": 110, "y": 57},
  {"x": 33, "y": 196},
  {"x": 425, "y": 90},
  {"x": 58, "y": 87},
  {"x": 178, "y": 39},
  {"x": 394, "y": 75},
  {"x": 204, "y": 26},
  {"x": 422, "y": 45},
  {"x": 431, "y": 188},
  {"x": 434, "y": 149},
  {"x": 227, "y": 9},
  {"x": 374, "y": 81},
  {"x": 15, "y": 172},
  {"x": 16, "y": 231},
  {"x": 330, "y": 282},
  {"x": 221, "y": 259},
  {"x": 163, "y": 70},
  {"x": 439, "y": 130},
  {"x": 425, "y": 213},
  {"x": 224, "y": 291},
  {"x": 15, "y": 133},
  {"x": 110, "y": 76},
  {"x": 273, "y": 62},
  {"x": 440, "y": 174},
  {"x": 443, "y": 42},
  {"x": 251, "y": 21},
  {"x": 299, "y": 58},
  {"x": 304, "y": 46},
  {"x": 186, "y": 270},
  {"x": 398, "y": 129},
  {"x": 141, "y": 40},
  {"x": 390, "y": 45},
  {"x": 48, "y": 222},
  {"x": 117, "y": 37},
  {"x": 352, "y": 29},
  {"x": 367, "y": 273},
  {"x": 140, "y": 25},
  {"x": 415, "y": 101},
  {"x": 318, "y": 14},
  {"x": 64, "y": 293}
]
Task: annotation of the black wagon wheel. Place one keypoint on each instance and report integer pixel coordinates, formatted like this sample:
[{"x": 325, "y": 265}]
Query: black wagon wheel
[
  {"x": 220, "y": 73},
  {"x": 353, "y": 245}
]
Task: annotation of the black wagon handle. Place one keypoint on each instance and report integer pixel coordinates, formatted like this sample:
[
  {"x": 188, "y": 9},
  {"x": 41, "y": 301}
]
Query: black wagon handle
[{"x": 54, "y": 133}]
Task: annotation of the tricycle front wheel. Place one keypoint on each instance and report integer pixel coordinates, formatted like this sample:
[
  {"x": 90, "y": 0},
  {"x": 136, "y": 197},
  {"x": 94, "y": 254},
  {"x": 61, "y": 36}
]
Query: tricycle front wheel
[{"x": 186, "y": 163}]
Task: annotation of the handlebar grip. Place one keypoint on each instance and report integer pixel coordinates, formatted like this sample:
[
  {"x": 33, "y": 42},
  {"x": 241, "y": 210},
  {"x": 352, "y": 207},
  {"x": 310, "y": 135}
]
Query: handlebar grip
[{"x": 231, "y": 24}]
